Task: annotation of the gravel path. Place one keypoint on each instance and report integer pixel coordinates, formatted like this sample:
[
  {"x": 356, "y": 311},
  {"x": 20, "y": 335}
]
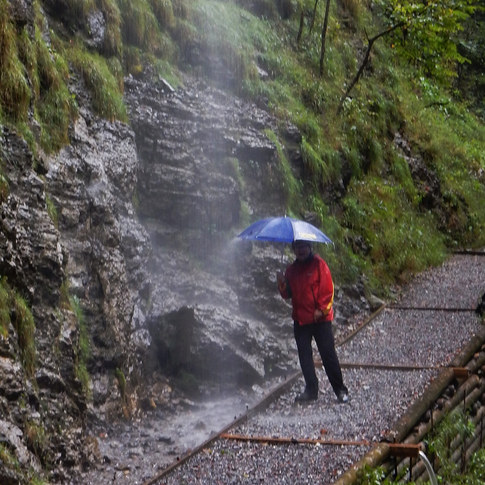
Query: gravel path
[
  {"x": 379, "y": 397},
  {"x": 425, "y": 338}
]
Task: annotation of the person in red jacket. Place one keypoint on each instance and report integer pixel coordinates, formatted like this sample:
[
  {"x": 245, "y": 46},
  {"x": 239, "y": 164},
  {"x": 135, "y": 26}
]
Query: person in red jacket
[{"x": 308, "y": 282}]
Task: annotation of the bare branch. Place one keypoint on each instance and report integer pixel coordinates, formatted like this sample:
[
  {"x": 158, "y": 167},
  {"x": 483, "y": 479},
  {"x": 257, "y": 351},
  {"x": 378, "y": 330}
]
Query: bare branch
[{"x": 370, "y": 43}]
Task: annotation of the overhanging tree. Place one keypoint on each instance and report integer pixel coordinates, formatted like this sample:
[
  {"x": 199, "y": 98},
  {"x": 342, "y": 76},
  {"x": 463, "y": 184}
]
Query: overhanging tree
[{"x": 423, "y": 32}]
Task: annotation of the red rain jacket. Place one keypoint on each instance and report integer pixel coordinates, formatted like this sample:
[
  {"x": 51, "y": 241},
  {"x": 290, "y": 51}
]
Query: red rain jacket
[{"x": 309, "y": 285}]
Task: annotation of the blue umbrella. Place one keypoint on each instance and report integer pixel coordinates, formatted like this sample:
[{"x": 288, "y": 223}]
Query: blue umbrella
[{"x": 283, "y": 229}]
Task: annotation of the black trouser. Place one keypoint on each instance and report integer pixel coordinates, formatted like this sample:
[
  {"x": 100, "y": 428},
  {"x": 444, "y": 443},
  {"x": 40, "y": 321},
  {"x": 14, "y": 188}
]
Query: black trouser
[{"x": 323, "y": 335}]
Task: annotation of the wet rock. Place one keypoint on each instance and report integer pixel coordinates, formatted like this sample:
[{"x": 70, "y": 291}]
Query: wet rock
[
  {"x": 375, "y": 302},
  {"x": 22, "y": 12},
  {"x": 92, "y": 182},
  {"x": 12, "y": 437},
  {"x": 96, "y": 25}
]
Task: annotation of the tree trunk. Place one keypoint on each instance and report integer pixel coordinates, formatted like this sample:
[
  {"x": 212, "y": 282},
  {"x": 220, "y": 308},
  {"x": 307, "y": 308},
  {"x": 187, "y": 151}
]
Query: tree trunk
[
  {"x": 364, "y": 62},
  {"x": 313, "y": 17},
  {"x": 300, "y": 30},
  {"x": 324, "y": 36}
]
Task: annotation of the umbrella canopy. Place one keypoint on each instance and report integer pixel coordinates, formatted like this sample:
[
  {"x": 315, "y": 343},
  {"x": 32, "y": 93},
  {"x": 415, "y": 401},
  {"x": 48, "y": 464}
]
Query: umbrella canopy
[{"x": 283, "y": 229}]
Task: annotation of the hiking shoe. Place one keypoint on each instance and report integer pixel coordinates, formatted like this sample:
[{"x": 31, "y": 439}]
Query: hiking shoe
[
  {"x": 306, "y": 396},
  {"x": 343, "y": 396}
]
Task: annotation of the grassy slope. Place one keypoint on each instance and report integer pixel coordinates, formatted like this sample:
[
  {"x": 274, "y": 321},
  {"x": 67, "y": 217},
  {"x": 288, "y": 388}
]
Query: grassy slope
[{"x": 379, "y": 223}]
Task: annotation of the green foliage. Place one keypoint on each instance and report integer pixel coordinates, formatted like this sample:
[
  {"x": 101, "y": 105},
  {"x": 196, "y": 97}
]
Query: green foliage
[
  {"x": 7, "y": 457},
  {"x": 14, "y": 310},
  {"x": 167, "y": 71},
  {"x": 32, "y": 72},
  {"x": 399, "y": 241},
  {"x": 23, "y": 322},
  {"x": 219, "y": 43},
  {"x": 120, "y": 377},
  {"x": 76, "y": 11},
  {"x": 64, "y": 297},
  {"x": 451, "y": 140},
  {"x": 470, "y": 84},
  {"x": 476, "y": 468},
  {"x": 10, "y": 462},
  {"x": 163, "y": 11},
  {"x": 139, "y": 26},
  {"x": 52, "y": 210},
  {"x": 15, "y": 93},
  {"x": 429, "y": 33},
  {"x": 4, "y": 187},
  {"x": 344, "y": 264},
  {"x": 289, "y": 183},
  {"x": 55, "y": 106},
  {"x": 316, "y": 168},
  {"x": 36, "y": 438},
  {"x": 371, "y": 476},
  {"x": 104, "y": 87},
  {"x": 112, "y": 43},
  {"x": 455, "y": 424}
]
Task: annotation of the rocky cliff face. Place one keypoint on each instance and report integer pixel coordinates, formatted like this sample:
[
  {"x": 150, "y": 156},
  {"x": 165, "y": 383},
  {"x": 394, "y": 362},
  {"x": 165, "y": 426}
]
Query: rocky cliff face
[
  {"x": 141, "y": 236},
  {"x": 203, "y": 155},
  {"x": 122, "y": 245}
]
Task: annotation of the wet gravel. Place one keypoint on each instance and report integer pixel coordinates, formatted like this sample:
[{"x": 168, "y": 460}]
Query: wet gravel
[
  {"x": 411, "y": 337},
  {"x": 425, "y": 338},
  {"x": 379, "y": 397}
]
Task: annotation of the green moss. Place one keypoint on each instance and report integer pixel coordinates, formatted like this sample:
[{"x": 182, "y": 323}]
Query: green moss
[
  {"x": 4, "y": 187},
  {"x": 321, "y": 168},
  {"x": 8, "y": 458},
  {"x": 4, "y": 307},
  {"x": 112, "y": 42},
  {"x": 120, "y": 377},
  {"x": 55, "y": 106},
  {"x": 36, "y": 438},
  {"x": 289, "y": 184},
  {"x": 76, "y": 11},
  {"x": 163, "y": 11},
  {"x": 64, "y": 297},
  {"x": 23, "y": 322},
  {"x": 15, "y": 93},
  {"x": 106, "y": 97},
  {"x": 399, "y": 241},
  {"x": 139, "y": 26}
]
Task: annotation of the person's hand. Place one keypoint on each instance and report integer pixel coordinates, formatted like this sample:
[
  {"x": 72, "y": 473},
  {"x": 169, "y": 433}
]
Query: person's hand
[
  {"x": 280, "y": 277},
  {"x": 317, "y": 314}
]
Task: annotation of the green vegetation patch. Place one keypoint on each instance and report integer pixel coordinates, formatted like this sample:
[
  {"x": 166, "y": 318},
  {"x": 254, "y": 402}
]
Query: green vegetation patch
[
  {"x": 398, "y": 240},
  {"x": 106, "y": 97},
  {"x": 23, "y": 322},
  {"x": 15, "y": 93},
  {"x": 14, "y": 310},
  {"x": 456, "y": 426}
]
